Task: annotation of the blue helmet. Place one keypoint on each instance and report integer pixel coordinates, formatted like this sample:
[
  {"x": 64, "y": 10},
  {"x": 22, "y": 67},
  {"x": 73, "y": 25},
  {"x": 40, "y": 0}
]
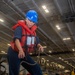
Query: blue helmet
[{"x": 32, "y": 16}]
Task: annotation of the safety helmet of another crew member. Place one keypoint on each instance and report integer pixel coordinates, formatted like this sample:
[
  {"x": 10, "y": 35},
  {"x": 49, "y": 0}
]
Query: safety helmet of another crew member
[{"x": 32, "y": 16}]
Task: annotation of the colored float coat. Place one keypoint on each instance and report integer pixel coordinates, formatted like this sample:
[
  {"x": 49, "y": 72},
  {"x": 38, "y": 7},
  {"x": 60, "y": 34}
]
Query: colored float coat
[{"x": 25, "y": 33}]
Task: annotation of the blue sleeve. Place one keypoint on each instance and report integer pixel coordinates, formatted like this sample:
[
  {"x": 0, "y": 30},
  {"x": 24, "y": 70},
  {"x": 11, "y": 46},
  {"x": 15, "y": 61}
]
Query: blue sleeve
[
  {"x": 37, "y": 40},
  {"x": 18, "y": 33}
]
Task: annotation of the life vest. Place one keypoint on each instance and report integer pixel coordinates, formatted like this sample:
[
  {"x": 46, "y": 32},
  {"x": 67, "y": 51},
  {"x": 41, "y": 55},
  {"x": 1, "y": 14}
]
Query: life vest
[{"x": 27, "y": 34}]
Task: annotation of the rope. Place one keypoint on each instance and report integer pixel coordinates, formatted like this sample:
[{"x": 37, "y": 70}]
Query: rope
[
  {"x": 30, "y": 63},
  {"x": 37, "y": 59},
  {"x": 35, "y": 62}
]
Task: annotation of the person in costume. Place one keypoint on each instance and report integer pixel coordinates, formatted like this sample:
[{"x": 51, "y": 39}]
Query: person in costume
[{"x": 24, "y": 42}]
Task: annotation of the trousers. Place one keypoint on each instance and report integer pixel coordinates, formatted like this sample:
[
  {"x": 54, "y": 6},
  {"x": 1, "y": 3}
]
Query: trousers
[{"x": 14, "y": 64}]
